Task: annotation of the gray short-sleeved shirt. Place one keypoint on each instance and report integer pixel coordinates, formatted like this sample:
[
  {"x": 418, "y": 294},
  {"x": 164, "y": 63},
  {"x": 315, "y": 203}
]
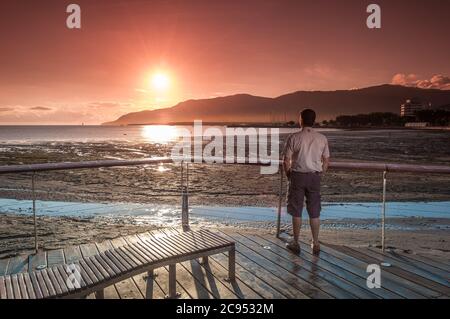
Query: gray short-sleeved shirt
[{"x": 306, "y": 149}]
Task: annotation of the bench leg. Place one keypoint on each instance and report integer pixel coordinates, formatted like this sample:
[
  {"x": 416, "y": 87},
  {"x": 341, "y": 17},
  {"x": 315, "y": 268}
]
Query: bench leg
[
  {"x": 100, "y": 294},
  {"x": 231, "y": 265},
  {"x": 205, "y": 260},
  {"x": 149, "y": 287},
  {"x": 173, "y": 282}
]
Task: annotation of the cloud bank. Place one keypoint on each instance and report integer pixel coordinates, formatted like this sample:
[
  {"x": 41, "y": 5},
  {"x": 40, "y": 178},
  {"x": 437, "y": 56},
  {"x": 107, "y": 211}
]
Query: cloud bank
[{"x": 437, "y": 81}]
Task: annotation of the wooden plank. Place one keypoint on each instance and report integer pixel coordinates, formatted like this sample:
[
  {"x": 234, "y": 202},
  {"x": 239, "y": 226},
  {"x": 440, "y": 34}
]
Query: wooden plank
[
  {"x": 128, "y": 290},
  {"x": 61, "y": 282},
  {"x": 152, "y": 248},
  {"x": 23, "y": 287},
  {"x": 89, "y": 272},
  {"x": 247, "y": 285},
  {"x": 390, "y": 282},
  {"x": 17, "y": 264},
  {"x": 138, "y": 251},
  {"x": 263, "y": 269},
  {"x": 125, "y": 262},
  {"x": 67, "y": 272},
  {"x": 312, "y": 280},
  {"x": 109, "y": 292},
  {"x": 52, "y": 283},
  {"x": 133, "y": 243},
  {"x": 326, "y": 262},
  {"x": 72, "y": 254},
  {"x": 184, "y": 279},
  {"x": 417, "y": 288},
  {"x": 30, "y": 289},
  {"x": 55, "y": 257},
  {"x": 97, "y": 272},
  {"x": 216, "y": 288},
  {"x": 426, "y": 260},
  {"x": 4, "y": 266},
  {"x": 152, "y": 254},
  {"x": 88, "y": 250},
  {"x": 139, "y": 280},
  {"x": 3, "y": 294},
  {"x": 208, "y": 280},
  {"x": 410, "y": 260},
  {"x": 39, "y": 280},
  {"x": 410, "y": 272},
  {"x": 37, "y": 261},
  {"x": 52, "y": 290},
  {"x": 239, "y": 288},
  {"x": 9, "y": 287},
  {"x": 16, "y": 287},
  {"x": 155, "y": 289},
  {"x": 108, "y": 262},
  {"x": 134, "y": 254},
  {"x": 105, "y": 266},
  {"x": 128, "y": 255},
  {"x": 31, "y": 280},
  {"x": 122, "y": 267},
  {"x": 95, "y": 264},
  {"x": 84, "y": 275}
]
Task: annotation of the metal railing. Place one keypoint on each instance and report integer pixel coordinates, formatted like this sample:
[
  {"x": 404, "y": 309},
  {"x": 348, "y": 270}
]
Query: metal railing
[{"x": 335, "y": 165}]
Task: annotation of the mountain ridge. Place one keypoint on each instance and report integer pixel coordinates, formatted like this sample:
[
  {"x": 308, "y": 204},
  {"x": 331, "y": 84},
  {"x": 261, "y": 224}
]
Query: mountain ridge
[{"x": 243, "y": 107}]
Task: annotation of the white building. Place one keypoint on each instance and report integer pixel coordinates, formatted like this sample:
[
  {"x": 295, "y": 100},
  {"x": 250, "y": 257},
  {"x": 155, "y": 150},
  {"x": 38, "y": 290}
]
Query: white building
[{"x": 411, "y": 106}]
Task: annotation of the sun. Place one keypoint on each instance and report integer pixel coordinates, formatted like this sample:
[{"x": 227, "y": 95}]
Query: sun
[{"x": 160, "y": 81}]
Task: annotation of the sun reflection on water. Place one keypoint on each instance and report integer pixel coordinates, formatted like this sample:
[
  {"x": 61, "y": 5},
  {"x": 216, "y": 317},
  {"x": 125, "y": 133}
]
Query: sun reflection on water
[{"x": 161, "y": 134}]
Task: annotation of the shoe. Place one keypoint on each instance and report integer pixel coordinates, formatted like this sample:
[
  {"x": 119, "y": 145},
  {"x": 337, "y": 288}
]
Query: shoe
[
  {"x": 315, "y": 248},
  {"x": 294, "y": 247}
]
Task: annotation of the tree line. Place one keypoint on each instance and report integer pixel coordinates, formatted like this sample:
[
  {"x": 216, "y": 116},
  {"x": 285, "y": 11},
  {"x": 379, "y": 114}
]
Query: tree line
[{"x": 434, "y": 117}]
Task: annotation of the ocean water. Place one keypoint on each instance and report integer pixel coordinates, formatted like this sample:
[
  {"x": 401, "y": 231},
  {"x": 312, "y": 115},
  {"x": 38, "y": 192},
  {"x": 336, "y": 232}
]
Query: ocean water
[{"x": 168, "y": 214}]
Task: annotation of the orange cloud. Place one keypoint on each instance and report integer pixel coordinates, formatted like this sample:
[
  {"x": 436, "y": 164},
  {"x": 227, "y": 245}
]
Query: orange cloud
[{"x": 437, "y": 81}]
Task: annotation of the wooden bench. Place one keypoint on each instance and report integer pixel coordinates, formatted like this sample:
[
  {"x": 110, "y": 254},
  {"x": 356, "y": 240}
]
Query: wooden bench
[{"x": 93, "y": 274}]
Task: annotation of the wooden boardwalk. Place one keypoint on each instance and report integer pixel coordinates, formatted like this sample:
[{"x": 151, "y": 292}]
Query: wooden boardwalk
[{"x": 265, "y": 269}]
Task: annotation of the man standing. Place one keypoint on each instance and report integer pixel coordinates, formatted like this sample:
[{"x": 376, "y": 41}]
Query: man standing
[{"x": 306, "y": 157}]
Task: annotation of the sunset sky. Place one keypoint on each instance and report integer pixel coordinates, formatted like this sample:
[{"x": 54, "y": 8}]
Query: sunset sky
[{"x": 135, "y": 55}]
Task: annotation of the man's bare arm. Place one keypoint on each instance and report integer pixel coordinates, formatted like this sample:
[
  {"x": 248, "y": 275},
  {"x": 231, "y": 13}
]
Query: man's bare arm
[
  {"x": 287, "y": 166},
  {"x": 325, "y": 163}
]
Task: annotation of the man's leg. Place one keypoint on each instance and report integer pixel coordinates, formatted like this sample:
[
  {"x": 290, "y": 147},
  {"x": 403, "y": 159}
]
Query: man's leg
[
  {"x": 313, "y": 205},
  {"x": 315, "y": 226},
  {"x": 296, "y": 225}
]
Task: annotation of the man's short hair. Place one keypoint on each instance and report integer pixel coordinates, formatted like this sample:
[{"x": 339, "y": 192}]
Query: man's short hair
[{"x": 308, "y": 117}]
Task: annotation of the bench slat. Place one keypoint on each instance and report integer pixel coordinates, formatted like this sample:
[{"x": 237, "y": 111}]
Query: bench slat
[
  {"x": 62, "y": 284},
  {"x": 3, "y": 294},
  {"x": 54, "y": 281},
  {"x": 96, "y": 268},
  {"x": 95, "y": 263},
  {"x": 9, "y": 289},
  {"x": 40, "y": 281},
  {"x": 23, "y": 287},
  {"x": 15, "y": 287}
]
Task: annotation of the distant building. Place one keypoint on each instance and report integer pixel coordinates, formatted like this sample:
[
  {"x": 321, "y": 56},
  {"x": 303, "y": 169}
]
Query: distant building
[
  {"x": 416, "y": 124},
  {"x": 411, "y": 106}
]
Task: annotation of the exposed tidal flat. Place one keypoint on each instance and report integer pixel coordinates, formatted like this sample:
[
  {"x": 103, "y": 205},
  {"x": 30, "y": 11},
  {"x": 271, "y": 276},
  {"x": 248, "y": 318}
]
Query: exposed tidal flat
[{"x": 217, "y": 185}]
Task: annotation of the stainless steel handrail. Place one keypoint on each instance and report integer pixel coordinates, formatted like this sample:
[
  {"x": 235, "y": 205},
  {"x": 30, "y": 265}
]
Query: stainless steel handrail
[{"x": 371, "y": 166}]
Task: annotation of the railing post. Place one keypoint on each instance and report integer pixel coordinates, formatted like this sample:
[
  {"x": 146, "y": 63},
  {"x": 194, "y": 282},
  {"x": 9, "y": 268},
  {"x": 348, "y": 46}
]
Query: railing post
[
  {"x": 34, "y": 211},
  {"x": 184, "y": 198},
  {"x": 280, "y": 201},
  {"x": 383, "y": 214}
]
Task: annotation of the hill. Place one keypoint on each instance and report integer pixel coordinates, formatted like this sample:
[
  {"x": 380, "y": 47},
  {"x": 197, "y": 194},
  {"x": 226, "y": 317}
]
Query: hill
[{"x": 245, "y": 108}]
